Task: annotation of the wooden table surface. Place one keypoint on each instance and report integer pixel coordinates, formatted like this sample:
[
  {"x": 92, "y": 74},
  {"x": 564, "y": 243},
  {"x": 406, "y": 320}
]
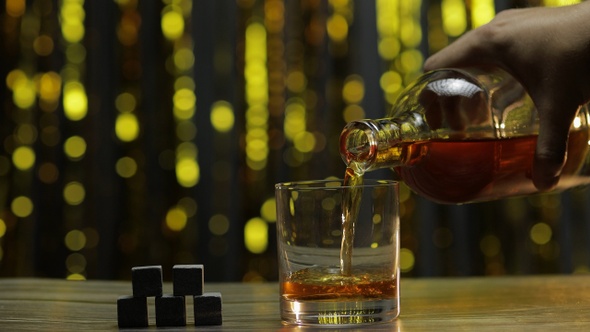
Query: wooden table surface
[{"x": 559, "y": 303}]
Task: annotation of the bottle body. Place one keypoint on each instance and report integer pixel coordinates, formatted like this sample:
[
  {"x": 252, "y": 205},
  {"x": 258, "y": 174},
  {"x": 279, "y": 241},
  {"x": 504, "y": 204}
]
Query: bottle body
[{"x": 459, "y": 136}]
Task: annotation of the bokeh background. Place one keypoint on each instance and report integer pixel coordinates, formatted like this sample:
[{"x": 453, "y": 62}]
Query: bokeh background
[{"x": 152, "y": 132}]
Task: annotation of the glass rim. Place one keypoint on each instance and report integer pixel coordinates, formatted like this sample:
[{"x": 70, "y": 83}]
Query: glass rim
[{"x": 337, "y": 184}]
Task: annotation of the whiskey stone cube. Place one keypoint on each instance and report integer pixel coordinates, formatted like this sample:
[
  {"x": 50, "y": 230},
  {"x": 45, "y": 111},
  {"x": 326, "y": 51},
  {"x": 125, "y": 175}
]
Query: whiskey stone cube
[
  {"x": 207, "y": 309},
  {"x": 170, "y": 311},
  {"x": 132, "y": 311},
  {"x": 147, "y": 280},
  {"x": 188, "y": 279}
]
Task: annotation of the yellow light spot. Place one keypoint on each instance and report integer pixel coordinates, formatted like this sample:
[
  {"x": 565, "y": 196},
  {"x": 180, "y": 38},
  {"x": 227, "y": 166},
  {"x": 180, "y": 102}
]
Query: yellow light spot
[
  {"x": 72, "y": 21},
  {"x": 76, "y": 277},
  {"x": 125, "y": 102},
  {"x": 184, "y": 103},
  {"x": 268, "y": 210},
  {"x": 256, "y": 235},
  {"x": 296, "y": 81},
  {"x": 218, "y": 224},
  {"x": 389, "y": 48},
  {"x": 26, "y": 133},
  {"x": 15, "y": 8},
  {"x": 222, "y": 116},
  {"x": 377, "y": 218},
  {"x": 75, "y": 102},
  {"x": 391, "y": 81},
  {"x": 454, "y": 17},
  {"x": 482, "y": 12},
  {"x": 353, "y": 90},
  {"x": 23, "y": 158},
  {"x": 126, "y": 167},
  {"x": 2, "y": 228},
  {"x": 410, "y": 32},
  {"x": 184, "y": 82},
  {"x": 541, "y": 233},
  {"x": 127, "y": 127},
  {"x": 176, "y": 219},
  {"x": 374, "y": 245},
  {"x": 72, "y": 31},
  {"x": 172, "y": 25},
  {"x": 353, "y": 112},
  {"x": 294, "y": 122},
  {"x": 411, "y": 60},
  {"x": 76, "y": 263},
  {"x": 304, "y": 142},
  {"x": 49, "y": 86},
  {"x": 189, "y": 205},
  {"x": 406, "y": 260},
  {"x": 184, "y": 59},
  {"x": 74, "y": 193},
  {"x": 75, "y": 240},
  {"x": 337, "y": 27},
  {"x": 23, "y": 92},
  {"x": 22, "y": 206},
  {"x": 577, "y": 122},
  {"x": 15, "y": 77},
  {"x": 75, "y": 53},
  {"x": 187, "y": 172},
  {"x": 75, "y": 147}
]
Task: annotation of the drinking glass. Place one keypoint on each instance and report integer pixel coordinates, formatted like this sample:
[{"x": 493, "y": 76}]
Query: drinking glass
[{"x": 321, "y": 281}]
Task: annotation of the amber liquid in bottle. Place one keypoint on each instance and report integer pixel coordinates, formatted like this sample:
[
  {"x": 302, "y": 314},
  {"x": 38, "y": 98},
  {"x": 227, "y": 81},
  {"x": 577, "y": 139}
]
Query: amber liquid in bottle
[{"x": 478, "y": 170}]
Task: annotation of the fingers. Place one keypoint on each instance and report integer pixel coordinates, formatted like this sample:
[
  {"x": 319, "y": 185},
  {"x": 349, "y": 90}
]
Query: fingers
[
  {"x": 467, "y": 50},
  {"x": 550, "y": 154}
]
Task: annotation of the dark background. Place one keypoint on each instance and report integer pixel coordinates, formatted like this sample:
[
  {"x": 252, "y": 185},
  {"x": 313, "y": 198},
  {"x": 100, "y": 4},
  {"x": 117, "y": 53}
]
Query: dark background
[{"x": 279, "y": 79}]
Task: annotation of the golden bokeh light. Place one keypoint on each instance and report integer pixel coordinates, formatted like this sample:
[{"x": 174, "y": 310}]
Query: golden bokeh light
[
  {"x": 126, "y": 167},
  {"x": 454, "y": 17},
  {"x": 172, "y": 24},
  {"x": 75, "y": 240},
  {"x": 125, "y": 102},
  {"x": 406, "y": 260},
  {"x": 127, "y": 127},
  {"x": 75, "y": 101},
  {"x": 22, "y": 206},
  {"x": 74, "y": 193},
  {"x": 176, "y": 219},
  {"x": 256, "y": 235},
  {"x": 222, "y": 116},
  {"x": 218, "y": 224},
  {"x": 188, "y": 172},
  {"x": 268, "y": 210},
  {"x": 23, "y": 158},
  {"x": 75, "y": 147}
]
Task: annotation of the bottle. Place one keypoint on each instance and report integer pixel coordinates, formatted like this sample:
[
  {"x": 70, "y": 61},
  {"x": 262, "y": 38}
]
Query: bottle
[{"x": 462, "y": 135}]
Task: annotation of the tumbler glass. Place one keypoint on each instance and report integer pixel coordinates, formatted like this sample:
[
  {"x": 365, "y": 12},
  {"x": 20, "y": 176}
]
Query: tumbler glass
[{"x": 334, "y": 270}]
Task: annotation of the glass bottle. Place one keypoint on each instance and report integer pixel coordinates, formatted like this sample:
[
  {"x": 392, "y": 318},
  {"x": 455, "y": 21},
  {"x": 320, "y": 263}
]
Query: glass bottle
[{"x": 462, "y": 135}]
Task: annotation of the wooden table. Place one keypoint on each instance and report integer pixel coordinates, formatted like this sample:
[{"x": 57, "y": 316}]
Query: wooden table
[{"x": 559, "y": 303}]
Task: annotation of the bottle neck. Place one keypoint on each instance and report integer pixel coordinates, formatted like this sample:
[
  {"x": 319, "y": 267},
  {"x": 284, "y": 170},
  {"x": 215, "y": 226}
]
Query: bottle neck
[{"x": 371, "y": 144}]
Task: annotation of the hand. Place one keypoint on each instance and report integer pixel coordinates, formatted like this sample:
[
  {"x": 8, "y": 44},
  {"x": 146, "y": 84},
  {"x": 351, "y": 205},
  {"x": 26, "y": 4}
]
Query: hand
[{"x": 548, "y": 51}]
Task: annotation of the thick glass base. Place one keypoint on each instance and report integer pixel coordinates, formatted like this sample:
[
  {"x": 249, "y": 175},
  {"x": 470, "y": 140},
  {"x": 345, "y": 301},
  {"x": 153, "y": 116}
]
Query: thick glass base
[{"x": 339, "y": 313}]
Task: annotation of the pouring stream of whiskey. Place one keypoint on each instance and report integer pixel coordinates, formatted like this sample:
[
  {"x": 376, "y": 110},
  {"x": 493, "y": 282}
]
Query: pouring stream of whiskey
[{"x": 353, "y": 179}]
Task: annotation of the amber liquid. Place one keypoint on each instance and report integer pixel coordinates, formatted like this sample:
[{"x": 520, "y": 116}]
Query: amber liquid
[
  {"x": 479, "y": 170},
  {"x": 329, "y": 284},
  {"x": 346, "y": 283}
]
